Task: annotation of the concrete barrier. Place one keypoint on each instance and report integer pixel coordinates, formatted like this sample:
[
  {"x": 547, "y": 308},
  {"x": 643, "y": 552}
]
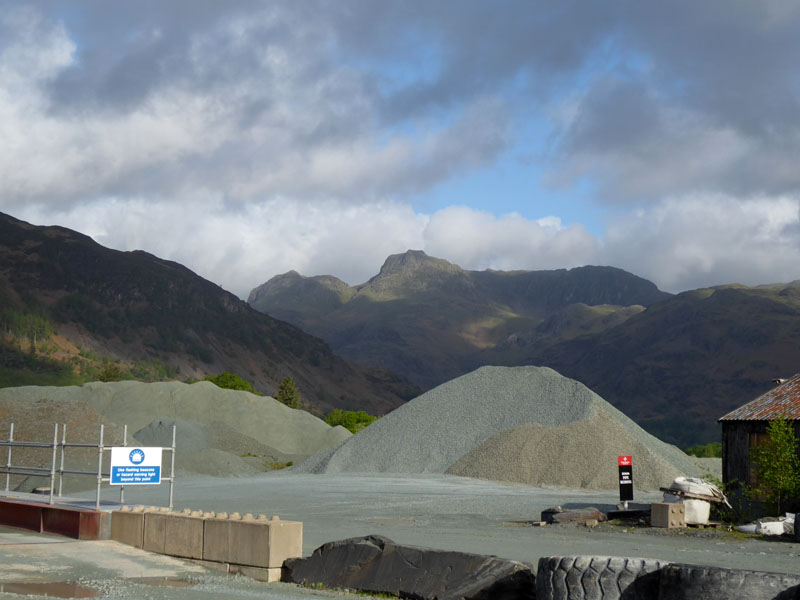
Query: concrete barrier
[
  {"x": 183, "y": 535},
  {"x": 127, "y": 526},
  {"x": 254, "y": 542},
  {"x": 256, "y": 547},
  {"x": 154, "y": 537}
]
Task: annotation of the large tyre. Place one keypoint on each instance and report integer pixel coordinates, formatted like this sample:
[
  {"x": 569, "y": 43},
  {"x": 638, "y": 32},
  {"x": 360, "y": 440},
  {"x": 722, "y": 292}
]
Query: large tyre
[
  {"x": 597, "y": 578},
  {"x": 693, "y": 582}
]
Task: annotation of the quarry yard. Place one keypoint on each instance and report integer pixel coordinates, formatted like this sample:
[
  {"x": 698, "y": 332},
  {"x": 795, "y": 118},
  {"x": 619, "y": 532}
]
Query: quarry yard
[
  {"x": 468, "y": 467},
  {"x": 440, "y": 511},
  {"x": 459, "y": 513}
]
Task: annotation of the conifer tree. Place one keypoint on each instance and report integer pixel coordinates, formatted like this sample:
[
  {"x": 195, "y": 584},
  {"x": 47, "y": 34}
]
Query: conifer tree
[{"x": 288, "y": 393}]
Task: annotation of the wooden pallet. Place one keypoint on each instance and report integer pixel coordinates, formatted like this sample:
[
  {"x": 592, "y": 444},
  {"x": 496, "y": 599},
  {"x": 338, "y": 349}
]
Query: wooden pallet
[
  {"x": 683, "y": 494},
  {"x": 709, "y": 525}
]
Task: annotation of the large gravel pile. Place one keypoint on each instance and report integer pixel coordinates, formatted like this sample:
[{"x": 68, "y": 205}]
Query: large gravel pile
[
  {"x": 522, "y": 424},
  {"x": 219, "y": 432}
]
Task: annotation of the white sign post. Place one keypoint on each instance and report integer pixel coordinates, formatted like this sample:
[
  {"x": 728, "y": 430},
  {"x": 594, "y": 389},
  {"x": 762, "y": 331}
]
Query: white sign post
[{"x": 135, "y": 466}]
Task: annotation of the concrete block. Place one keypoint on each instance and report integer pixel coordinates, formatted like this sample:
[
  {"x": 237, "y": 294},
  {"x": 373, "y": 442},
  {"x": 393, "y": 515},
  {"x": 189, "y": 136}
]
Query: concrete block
[
  {"x": 183, "y": 535},
  {"x": 667, "y": 515},
  {"x": 285, "y": 541},
  {"x": 128, "y": 527},
  {"x": 216, "y": 539},
  {"x": 252, "y": 542},
  {"x": 154, "y": 537},
  {"x": 265, "y": 543}
]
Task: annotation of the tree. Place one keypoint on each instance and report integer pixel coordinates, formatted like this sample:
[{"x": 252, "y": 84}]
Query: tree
[
  {"x": 288, "y": 393},
  {"x": 777, "y": 464},
  {"x": 354, "y": 421},
  {"x": 110, "y": 372},
  {"x": 231, "y": 381}
]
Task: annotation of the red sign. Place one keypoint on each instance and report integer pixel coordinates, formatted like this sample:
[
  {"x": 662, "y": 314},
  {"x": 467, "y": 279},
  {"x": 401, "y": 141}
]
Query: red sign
[{"x": 625, "y": 461}]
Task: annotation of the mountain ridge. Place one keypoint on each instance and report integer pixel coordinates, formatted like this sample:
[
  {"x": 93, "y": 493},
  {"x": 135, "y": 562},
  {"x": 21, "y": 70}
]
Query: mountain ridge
[
  {"x": 424, "y": 317},
  {"x": 134, "y": 305},
  {"x": 673, "y": 363}
]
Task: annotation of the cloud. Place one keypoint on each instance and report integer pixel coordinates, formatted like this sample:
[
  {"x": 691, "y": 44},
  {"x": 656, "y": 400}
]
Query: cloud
[
  {"x": 478, "y": 240},
  {"x": 679, "y": 244},
  {"x": 240, "y": 250},
  {"x": 364, "y": 101},
  {"x": 702, "y": 240},
  {"x": 695, "y": 97},
  {"x": 248, "y": 138},
  {"x": 251, "y": 105}
]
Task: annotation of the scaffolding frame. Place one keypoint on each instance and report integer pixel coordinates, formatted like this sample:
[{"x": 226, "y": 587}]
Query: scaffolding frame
[{"x": 56, "y": 471}]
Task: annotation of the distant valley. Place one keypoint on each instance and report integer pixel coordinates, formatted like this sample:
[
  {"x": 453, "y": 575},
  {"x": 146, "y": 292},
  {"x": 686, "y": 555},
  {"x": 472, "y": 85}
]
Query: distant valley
[{"x": 674, "y": 363}]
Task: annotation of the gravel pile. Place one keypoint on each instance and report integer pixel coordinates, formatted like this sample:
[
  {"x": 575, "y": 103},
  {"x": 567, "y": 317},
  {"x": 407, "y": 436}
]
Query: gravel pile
[
  {"x": 219, "y": 432},
  {"x": 521, "y": 424}
]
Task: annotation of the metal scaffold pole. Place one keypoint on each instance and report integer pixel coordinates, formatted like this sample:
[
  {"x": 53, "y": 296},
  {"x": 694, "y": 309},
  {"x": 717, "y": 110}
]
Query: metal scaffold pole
[
  {"x": 172, "y": 469},
  {"x": 63, "y": 451},
  {"x": 124, "y": 444},
  {"x": 53, "y": 462},
  {"x": 8, "y": 461},
  {"x": 99, "y": 468}
]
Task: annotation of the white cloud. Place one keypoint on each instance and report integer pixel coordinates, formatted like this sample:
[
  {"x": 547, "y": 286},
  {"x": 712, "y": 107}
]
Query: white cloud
[
  {"x": 680, "y": 244},
  {"x": 245, "y": 140},
  {"x": 478, "y": 240},
  {"x": 287, "y": 123},
  {"x": 701, "y": 240}
]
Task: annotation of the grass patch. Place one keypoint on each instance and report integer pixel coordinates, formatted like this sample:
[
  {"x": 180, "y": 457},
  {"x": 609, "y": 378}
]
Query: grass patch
[{"x": 277, "y": 466}]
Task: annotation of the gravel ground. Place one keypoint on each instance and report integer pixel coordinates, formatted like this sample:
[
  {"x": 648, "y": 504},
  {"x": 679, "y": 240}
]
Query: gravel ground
[
  {"x": 439, "y": 511},
  {"x": 523, "y": 424},
  {"x": 459, "y": 513},
  {"x": 46, "y": 566}
]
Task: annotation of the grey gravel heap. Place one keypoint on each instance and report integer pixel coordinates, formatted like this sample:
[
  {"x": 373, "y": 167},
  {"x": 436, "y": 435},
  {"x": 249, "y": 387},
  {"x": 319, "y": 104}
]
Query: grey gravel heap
[
  {"x": 519, "y": 424},
  {"x": 220, "y": 432}
]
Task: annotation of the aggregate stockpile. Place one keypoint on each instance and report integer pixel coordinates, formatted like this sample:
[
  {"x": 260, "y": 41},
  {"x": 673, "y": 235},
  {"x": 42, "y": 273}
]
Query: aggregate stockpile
[
  {"x": 518, "y": 424},
  {"x": 219, "y": 432}
]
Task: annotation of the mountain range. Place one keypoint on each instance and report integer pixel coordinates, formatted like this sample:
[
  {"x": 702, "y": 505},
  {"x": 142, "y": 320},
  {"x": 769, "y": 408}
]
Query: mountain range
[
  {"x": 89, "y": 303},
  {"x": 429, "y": 320},
  {"x": 673, "y": 363}
]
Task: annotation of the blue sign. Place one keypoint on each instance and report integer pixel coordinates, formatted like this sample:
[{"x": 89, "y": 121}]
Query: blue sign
[{"x": 135, "y": 466}]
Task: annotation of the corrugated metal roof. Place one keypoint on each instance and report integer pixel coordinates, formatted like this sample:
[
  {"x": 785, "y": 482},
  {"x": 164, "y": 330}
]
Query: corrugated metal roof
[{"x": 782, "y": 400}]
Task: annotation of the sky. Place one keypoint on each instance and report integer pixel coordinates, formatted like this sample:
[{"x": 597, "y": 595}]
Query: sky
[{"x": 248, "y": 138}]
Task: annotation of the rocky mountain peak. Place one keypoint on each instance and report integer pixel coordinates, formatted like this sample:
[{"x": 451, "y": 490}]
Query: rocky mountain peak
[
  {"x": 413, "y": 271},
  {"x": 414, "y": 261}
]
